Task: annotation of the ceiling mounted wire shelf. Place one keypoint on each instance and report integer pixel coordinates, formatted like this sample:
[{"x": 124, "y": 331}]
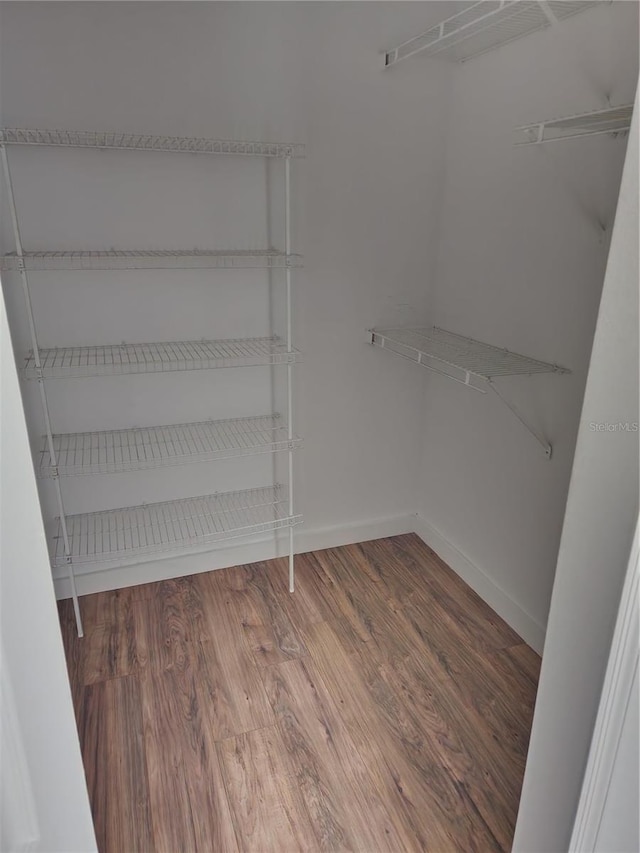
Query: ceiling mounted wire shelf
[
  {"x": 133, "y": 259},
  {"x": 166, "y": 356},
  {"x": 486, "y": 26},
  {"x": 148, "y": 142},
  {"x": 135, "y": 449},
  {"x": 182, "y": 526},
  {"x": 614, "y": 120},
  {"x": 460, "y": 358}
]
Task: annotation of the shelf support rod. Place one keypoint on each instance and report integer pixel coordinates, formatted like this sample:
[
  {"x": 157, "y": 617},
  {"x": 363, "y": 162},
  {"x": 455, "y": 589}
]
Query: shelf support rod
[
  {"x": 546, "y": 446},
  {"x": 287, "y": 249},
  {"x": 43, "y": 394},
  {"x": 548, "y": 13}
]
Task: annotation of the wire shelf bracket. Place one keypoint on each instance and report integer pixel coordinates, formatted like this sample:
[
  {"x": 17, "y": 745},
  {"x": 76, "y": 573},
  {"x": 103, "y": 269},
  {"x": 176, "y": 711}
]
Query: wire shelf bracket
[
  {"x": 485, "y": 26},
  {"x": 139, "y": 448},
  {"x": 188, "y": 525},
  {"x": 613, "y": 120},
  {"x": 147, "y": 142},
  {"x": 465, "y": 360}
]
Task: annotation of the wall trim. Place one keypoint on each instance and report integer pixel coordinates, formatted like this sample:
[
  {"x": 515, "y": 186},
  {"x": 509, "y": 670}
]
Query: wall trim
[
  {"x": 531, "y": 631},
  {"x": 106, "y": 577},
  {"x": 616, "y": 694}
]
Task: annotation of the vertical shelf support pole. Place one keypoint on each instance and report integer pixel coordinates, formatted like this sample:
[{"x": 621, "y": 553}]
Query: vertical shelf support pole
[
  {"x": 43, "y": 394},
  {"x": 287, "y": 241}
]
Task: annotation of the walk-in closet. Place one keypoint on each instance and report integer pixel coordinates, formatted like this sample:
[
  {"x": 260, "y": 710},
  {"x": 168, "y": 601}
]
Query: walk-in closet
[{"x": 320, "y": 349}]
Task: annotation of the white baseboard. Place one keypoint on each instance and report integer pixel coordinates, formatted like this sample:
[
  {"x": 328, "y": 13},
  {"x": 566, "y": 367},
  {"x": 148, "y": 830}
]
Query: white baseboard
[
  {"x": 105, "y": 577},
  {"x": 531, "y": 631}
]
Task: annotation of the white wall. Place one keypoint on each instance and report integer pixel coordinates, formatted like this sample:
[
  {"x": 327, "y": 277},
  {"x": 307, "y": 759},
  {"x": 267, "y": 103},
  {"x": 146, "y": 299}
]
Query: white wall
[
  {"x": 520, "y": 265},
  {"x": 44, "y": 799},
  {"x": 367, "y": 200},
  {"x": 602, "y": 510}
]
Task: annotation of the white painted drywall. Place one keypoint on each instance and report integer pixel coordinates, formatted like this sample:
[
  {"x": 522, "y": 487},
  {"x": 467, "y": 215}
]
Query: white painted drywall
[
  {"x": 520, "y": 265},
  {"x": 45, "y": 806},
  {"x": 366, "y": 207},
  {"x": 602, "y": 509}
]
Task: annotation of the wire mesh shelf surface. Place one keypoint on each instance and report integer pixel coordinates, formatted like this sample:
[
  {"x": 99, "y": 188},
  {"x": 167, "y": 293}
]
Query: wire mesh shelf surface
[
  {"x": 180, "y": 526},
  {"x": 62, "y": 362},
  {"x": 610, "y": 120},
  {"x": 134, "y": 259},
  {"x": 112, "y": 451},
  {"x": 465, "y": 358},
  {"x": 485, "y": 26},
  {"x": 147, "y": 142}
]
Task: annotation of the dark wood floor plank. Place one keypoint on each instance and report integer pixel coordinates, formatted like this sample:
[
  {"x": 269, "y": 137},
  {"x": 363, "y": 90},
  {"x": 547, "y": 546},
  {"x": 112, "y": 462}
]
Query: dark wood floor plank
[
  {"x": 115, "y": 765},
  {"x": 269, "y": 813},
  {"x": 434, "y": 812},
  {"x": 189, "y": 806},
  {"x": 110, "y": 644},
  {"x": 340, "y": 793},
  {"x": 268, "y": 630},
  {"x": 495, "y": 695},
  {"x": 414, "y": 572},
  {"x": 527, "y": 661},
  {"x": 306, "y": 605},
  {"x": 233, "y": 692},
  {"x": 445, "y": 742}
]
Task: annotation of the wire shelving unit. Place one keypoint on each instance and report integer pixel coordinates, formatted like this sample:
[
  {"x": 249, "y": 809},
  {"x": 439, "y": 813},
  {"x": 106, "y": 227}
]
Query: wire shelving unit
[
  {"x": 188, "y": 525},
  {"x": 613, "y": 120},
  {"x": 162, "y": 357},
  {"x": 137, "y": 448},
  {"x": 139, "y": 259},
  {"x": 485, "y": 26},
  {"x": 147, "y": 142},
  {"x": 465, "y": 360},
  {"x": 182, "y": 526}
]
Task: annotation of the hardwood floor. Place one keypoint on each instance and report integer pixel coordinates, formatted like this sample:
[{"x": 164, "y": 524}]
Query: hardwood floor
[{"x": 382, "y": 707}]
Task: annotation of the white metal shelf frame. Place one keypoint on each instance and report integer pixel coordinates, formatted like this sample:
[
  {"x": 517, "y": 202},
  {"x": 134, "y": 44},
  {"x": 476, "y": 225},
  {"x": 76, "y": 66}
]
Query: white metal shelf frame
[
  {"x": 138, "y": 448},
  {"x": 158, "y": 259},
  {"x": 613, "y": 120},
  {"x": 465, "y": 360},
  {"x": 147, "y": 142},
  {"x": 485, "y": 26},
  {"x": 157, "y": 357},
  {"x": 180, "y": 526},
  {"x": 242, "y": 353}
]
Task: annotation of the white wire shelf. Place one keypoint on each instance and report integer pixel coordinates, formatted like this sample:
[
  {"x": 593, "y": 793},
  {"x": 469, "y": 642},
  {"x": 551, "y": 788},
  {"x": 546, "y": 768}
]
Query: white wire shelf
[
  {"x": 113, "y": 451},
  {"x": 171, "y": 527},
  {"x": 485, "y": 26},
  {"x": 147, "y": 142},
  {"x": 463, "y": 359},
  {"x": 611, "y": 120},
  {"x": 137, "y": 259},
  {"x": 63, "y": 362}
]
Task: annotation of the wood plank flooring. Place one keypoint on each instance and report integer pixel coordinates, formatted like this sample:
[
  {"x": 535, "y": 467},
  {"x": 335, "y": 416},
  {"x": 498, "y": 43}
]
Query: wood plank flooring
[{"x": 381, "y": 707}]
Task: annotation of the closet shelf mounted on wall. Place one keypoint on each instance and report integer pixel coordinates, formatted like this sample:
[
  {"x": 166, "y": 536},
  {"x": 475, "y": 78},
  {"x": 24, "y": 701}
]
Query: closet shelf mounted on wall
[
  {"x": 161, "y": 357},
  {"x": 171, "y": 527},
  {"x": 187, "y": 525},
  {"x": 614, "y": 120},
  {"x": 485, "y": 26},
  {"x": 160, "y": 259},
  {"x": 147, "y": 142},
  {"x": 465, "y": 360},
  {"x": 137, "y": 448}
]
